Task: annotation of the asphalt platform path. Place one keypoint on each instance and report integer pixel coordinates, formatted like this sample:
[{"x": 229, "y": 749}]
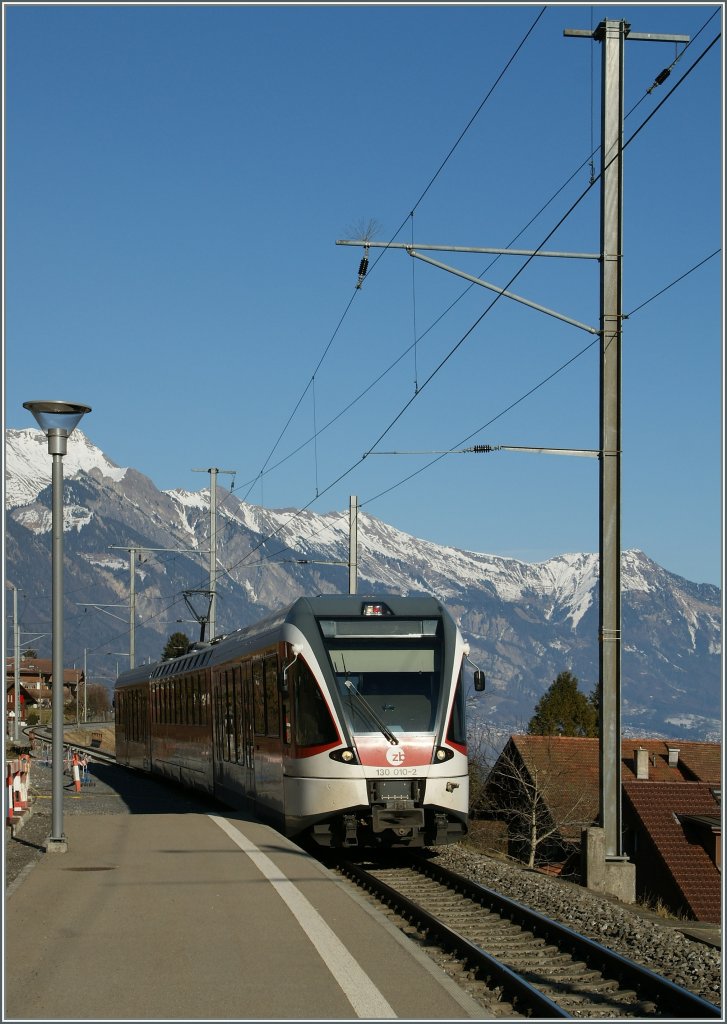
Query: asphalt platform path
[
  {"x": 107, "y": 789},
  {"x": 168, "y": 907}
]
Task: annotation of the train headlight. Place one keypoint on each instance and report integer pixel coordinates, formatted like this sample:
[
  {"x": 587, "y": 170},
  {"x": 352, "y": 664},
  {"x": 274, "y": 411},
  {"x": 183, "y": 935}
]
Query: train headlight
[
  {"x": 347, "y": 755},
  {"x": 443, "y": 754}
]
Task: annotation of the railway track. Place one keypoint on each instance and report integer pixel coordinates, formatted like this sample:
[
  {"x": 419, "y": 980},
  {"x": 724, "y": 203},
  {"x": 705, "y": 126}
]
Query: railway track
[
  {"x": 515, "y": 961},
  {"x": 45, "y": 736}
]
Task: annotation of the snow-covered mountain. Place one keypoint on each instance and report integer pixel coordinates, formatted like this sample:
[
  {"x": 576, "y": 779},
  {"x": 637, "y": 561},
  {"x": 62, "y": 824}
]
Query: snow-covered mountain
[{"x": 525, "y": 622}]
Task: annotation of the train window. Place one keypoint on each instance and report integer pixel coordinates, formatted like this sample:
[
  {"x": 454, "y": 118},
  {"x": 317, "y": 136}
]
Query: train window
[
  {"x": 218, "y": 719},
  {"x": 197, "y": 699},
  {"x": 229, "y": 717},
  {"x": 272, "y": 702},
  {"x": 204, "y": 701},
  {"x": 313, "y": 723},
  {"x": 237, "y": 702},
  {"x": 258, "y": 697},
  {"x": 395, "y": 685},
  {"x": 247, "y": 725},
  {"x": 457, "y": 731}
]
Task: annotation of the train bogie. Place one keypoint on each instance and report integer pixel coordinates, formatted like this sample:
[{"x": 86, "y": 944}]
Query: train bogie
[{"x": 340, "y": 719}]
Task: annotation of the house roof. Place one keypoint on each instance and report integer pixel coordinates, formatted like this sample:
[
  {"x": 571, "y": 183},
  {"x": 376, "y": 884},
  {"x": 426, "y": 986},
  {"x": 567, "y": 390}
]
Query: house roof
[
  {"x": 664, "y": 810},
  {"x": 697, "y": 762},
  {"x": 568, "y": 770},
  {"x": 41, "y": 669},
  {"x": 569, "y": 767}
]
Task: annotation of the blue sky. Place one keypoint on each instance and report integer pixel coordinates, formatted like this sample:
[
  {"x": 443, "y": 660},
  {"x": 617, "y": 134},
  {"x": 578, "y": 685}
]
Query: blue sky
[{"x": 176, "y": 178}]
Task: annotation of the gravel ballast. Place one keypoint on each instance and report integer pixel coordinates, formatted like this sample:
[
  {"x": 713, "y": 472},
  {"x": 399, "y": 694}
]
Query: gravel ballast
[{"x": 660, "y": 945}]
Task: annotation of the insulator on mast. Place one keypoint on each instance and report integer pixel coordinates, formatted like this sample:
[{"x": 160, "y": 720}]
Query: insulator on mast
[{"x": 363, "y": 267}]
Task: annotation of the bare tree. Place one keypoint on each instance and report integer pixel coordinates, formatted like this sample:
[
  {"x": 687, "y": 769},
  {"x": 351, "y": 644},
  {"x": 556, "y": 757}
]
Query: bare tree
[
  {"x": 98, "y": 704},
  {"x": 536, "y": 786},
  {"x": 484, "y": 745}
]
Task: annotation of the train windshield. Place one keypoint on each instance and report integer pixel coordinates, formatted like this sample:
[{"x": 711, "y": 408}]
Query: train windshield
[{"x": 388, "y": 685}]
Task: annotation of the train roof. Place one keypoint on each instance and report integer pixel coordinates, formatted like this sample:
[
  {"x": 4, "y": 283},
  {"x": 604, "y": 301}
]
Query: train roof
[{"x": 201, "y": 655}]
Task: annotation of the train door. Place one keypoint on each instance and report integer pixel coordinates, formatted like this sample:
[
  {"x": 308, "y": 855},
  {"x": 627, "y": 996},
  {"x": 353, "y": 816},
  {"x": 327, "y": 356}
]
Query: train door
[
  {"x": 266, "y": 723},
  {"x": 233, "y": 733},
  {"x": 244, "y": 726},
  {"x": 218, "y": 729}
]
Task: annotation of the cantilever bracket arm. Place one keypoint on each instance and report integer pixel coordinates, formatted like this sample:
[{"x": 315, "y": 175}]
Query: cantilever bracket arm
[{"x": 501, "y": 291}]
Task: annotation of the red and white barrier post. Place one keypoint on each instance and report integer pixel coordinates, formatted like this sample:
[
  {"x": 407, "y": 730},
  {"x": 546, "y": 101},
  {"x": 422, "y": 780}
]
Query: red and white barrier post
[
  {"x": 76, "y": 772},
  {"x": 24, "y": 776},
  {"x": 9, "y": 789},
  {"x": 18, "y": 806}
]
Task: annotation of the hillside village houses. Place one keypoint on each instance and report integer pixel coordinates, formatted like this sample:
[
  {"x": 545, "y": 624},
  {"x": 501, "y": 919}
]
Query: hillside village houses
[
  {"x": 543, "y": 791},
  {"x": 35, "y": 678}
]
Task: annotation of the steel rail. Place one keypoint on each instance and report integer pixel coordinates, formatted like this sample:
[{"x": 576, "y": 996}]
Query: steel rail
[
  {"x": 671, "y": 998},
  {"x": 98, "y": 755},
  {"x": 523, "y": 996}
]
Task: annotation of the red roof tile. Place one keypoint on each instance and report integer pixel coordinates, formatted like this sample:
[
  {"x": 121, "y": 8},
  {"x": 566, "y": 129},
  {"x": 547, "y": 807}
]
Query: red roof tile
[
  {"x": 658, "y": 806},
  {"x": 569, "y": 770}
]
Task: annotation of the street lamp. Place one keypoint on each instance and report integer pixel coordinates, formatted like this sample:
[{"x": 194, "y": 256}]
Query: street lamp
[{"x": 57, "y": 420}]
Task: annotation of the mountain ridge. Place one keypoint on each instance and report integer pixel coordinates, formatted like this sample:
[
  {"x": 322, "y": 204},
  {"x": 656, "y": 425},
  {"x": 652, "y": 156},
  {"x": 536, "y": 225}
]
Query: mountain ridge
[{"x": 525, "y": 621}]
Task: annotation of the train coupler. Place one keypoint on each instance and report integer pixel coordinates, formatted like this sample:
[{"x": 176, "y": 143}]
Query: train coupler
[
  {"x": 441, "y": 828},
  {"x": 350, "y": 830}
]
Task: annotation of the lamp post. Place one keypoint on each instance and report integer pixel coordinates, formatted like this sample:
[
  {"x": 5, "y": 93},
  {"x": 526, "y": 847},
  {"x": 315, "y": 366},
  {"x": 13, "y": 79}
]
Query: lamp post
[
  {"x": 57, "y": 420},
  {"x": 16, "y": 665}
]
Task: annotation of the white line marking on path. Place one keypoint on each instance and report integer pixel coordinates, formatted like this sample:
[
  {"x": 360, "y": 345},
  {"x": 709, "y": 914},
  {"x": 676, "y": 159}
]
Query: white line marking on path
[{"x": 358, "y": 988}]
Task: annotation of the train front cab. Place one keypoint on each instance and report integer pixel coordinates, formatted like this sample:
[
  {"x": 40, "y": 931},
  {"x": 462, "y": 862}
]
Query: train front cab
[{"x": 380, "y": 755}]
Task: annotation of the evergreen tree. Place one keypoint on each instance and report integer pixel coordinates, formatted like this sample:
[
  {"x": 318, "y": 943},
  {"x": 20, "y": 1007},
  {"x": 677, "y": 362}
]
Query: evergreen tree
[
  {"x": 176, "y": 645},
  {"x": 564, "y": 711},
  {"x": 594, "y": 699}
]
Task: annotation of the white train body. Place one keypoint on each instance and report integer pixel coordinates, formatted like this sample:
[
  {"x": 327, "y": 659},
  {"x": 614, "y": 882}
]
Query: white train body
[{"x": 339, "y": 718}]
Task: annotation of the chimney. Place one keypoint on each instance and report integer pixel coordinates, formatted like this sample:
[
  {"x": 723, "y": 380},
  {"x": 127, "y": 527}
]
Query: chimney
[
  {"x": 673, "y": 756},
  {"x": 641, "y": 760}
]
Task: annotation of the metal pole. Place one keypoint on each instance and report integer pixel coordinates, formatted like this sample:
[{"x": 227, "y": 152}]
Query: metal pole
[
  {"x": 132, "y": 608},
  {"x": 57, "y": 420},
  {"x": 213, "y": 471},
  {"x": 213, "y": 553},
  {"x": 16, "y": 659},
  {"x": 612, "y": 36},
  {"x": 353, "y": 545},
  {"x": 85, "y": 688},
  {"x": 57, "y": 445}
]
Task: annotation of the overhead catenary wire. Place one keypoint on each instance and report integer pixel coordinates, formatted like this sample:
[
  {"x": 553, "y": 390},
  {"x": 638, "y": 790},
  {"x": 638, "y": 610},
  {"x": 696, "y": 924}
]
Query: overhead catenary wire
[
  {"x": 542, "y": 209},
  {"x": 272, "y": 556},
  {"x": 486, "y": 311},
  {"x": 676, "y": 280},
  {"x": 318, "y": 494},
  {"x": 517, "y": 273},
  {"x": 413, "y": 209}
]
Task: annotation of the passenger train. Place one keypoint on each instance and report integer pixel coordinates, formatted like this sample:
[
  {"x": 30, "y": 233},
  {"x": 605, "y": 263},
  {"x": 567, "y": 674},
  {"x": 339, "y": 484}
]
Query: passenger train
[{"x": 338, "y": 718}]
